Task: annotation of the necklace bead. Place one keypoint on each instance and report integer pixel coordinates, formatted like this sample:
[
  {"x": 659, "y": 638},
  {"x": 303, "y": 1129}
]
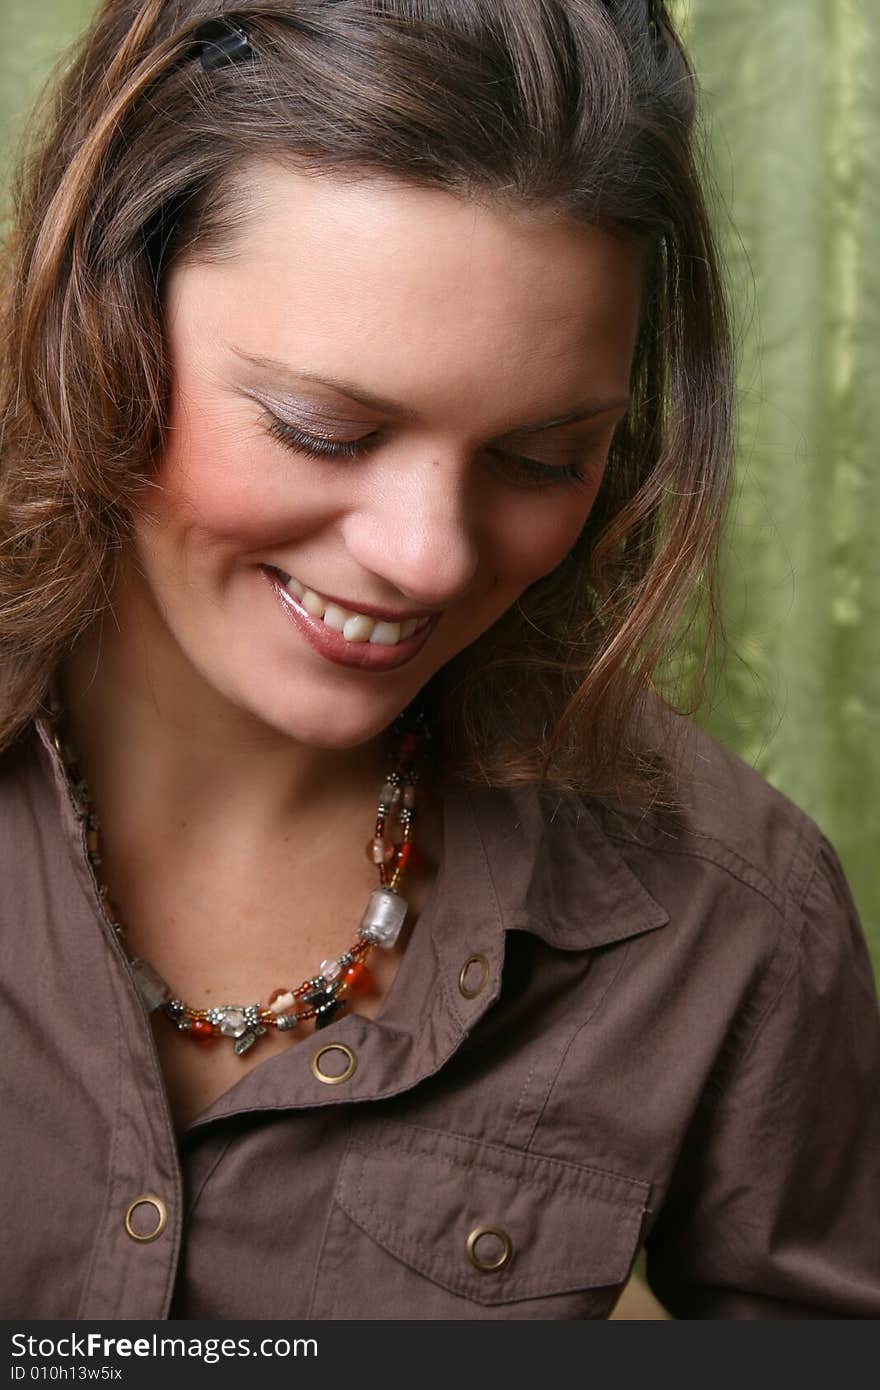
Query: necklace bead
[
  {"x": 280, "y": 1000},
  {"x": 380, "y": 850}
]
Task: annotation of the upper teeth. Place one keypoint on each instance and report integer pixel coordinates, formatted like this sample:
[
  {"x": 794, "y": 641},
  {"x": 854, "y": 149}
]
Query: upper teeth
[{"x": 355, "y": 627}]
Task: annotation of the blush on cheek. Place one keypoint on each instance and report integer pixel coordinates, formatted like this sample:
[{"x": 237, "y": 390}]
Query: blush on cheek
[{"x": 229, "y": 485}]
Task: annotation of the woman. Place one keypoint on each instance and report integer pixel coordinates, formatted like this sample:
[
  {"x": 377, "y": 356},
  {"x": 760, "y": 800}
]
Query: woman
[{"x": 367, "y": 426}]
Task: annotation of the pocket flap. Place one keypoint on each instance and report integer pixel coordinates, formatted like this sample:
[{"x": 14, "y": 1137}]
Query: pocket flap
[{"x": 422, "y": 1193}]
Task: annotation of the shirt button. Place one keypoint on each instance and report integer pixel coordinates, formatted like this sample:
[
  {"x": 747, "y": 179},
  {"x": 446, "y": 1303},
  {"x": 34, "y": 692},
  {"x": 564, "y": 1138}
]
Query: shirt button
[
  {"x": 335, "y": 1069},
  {"x": 145, "y": 1217},
  {"x": 473, "y": 976},
  {"x": 495, "y": 1248}
]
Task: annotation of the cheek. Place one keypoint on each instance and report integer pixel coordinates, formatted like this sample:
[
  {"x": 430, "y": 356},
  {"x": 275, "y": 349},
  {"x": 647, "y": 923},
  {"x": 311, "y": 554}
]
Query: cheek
[
  {"x": 222, "y": 483},
  {"x": 537, "y": 537}
]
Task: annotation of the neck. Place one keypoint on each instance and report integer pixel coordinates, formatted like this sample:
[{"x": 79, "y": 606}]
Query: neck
[{"x": 140, "y": 717}]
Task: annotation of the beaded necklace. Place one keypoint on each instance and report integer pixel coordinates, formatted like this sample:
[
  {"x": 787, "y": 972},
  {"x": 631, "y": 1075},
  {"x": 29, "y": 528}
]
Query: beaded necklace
[{"x": 323, "y": 996}]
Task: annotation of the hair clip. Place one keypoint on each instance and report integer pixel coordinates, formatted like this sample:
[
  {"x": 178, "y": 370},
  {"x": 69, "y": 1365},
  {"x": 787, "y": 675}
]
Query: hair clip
[
  {"x": 222, "y": 41},
  {"x": 655, "y": 8}
]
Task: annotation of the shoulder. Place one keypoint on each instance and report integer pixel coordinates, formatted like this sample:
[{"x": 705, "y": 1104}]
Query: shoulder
[
  {"x": 762, "y": 928},
  {"x": 751, "y": 887},
  {"x": 731, "y": 826}
]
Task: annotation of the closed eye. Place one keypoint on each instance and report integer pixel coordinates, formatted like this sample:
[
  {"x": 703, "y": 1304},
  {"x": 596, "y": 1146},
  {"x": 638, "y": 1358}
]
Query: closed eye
[
  {"x": 532, "y": 471},
  {"x": 313, "y": 444}
]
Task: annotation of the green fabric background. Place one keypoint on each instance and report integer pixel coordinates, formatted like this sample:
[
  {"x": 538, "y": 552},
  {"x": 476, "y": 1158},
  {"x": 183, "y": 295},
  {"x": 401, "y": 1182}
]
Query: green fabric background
[{"x": 792, "y": 122}]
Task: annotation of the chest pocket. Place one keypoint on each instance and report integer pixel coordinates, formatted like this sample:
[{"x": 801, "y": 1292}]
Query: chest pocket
[{"x": 427, "y": 1224}]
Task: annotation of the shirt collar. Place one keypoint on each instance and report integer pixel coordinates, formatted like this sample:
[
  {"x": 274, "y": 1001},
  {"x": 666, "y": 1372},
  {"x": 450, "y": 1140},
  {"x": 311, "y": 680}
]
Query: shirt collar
[{"x": 555, "y": 871}]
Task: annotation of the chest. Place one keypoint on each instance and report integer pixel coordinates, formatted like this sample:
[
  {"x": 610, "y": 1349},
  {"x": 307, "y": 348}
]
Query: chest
[
  {"x": 232, "y": 967},
  {"x": 241, "y": 932}
]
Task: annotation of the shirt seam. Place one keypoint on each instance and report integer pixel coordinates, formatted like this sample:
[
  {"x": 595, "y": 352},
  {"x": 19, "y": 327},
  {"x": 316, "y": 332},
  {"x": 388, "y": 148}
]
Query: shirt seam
[
  {"x": 360, "y": 1140},
  {"x": 732, "y": 863},
  {"x": 737, "y": 866},
  {"x": 790, "y": 935},
  {"x": 792, "y": 932}
]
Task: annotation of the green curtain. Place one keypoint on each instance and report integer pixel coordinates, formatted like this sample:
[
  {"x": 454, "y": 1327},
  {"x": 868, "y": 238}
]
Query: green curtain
[
  {"x": 791, "y": 101},
  {"x": 791, "y": 109}
]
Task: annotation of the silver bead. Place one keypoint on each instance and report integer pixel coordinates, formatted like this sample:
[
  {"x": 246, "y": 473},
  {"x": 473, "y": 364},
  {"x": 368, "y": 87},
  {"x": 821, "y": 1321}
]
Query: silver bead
[{"x": 248, "y": 1038}]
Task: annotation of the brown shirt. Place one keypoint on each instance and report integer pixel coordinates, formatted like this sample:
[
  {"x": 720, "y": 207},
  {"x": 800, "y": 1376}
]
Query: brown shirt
[{"x": 666, "y": 1037}]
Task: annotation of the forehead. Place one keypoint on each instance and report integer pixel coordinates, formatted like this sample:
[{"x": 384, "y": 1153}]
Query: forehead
[{"x": 455, "y": 300}]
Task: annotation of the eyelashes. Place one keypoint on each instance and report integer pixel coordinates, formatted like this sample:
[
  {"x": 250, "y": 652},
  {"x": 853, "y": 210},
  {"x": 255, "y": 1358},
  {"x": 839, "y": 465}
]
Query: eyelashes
[
  {"x": 312, "y": 444},
  {"x": 532, "y": 470}
]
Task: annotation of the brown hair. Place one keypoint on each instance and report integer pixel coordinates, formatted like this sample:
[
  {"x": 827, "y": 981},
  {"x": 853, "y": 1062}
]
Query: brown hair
[{"x": 577, "y": 104}]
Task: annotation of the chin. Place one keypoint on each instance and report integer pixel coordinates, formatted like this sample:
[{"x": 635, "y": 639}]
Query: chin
[{"x": 320, "y": 727}]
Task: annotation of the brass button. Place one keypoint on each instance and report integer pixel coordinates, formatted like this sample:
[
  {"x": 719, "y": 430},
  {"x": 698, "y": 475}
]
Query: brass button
[
  {"x": 154, "y": 1214},
  {"x": 486, "y": 1263},
  {"x": 329, "y": 1077},
  {"x": 478, "y": 968}
]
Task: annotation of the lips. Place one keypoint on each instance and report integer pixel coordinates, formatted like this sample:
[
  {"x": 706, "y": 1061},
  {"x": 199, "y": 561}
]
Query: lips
[{"x": 362, "y": 653}]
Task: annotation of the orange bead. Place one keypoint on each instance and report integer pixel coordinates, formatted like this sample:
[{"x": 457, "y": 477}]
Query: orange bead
[
  {"x": 409, "y": 744},
  {"x": 416, "y": 861},
  {"x": 201, "y": 1028},
  {"x": 357, "y": 979},
  {"x": 402, "y": 854}
]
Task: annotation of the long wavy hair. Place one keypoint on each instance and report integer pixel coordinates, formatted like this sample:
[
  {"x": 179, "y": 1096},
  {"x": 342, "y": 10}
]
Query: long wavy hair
[{"x": 588, "y": 106}]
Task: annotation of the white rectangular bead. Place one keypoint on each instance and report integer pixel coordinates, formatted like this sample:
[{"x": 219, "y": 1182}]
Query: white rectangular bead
[
  {"x": 150, "y": 986},
  {"x": 383, "y": 918}
]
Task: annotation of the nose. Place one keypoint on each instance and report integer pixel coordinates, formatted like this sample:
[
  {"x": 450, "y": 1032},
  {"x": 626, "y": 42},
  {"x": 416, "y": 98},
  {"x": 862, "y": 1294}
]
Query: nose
[{"x": 414, "y": 532}]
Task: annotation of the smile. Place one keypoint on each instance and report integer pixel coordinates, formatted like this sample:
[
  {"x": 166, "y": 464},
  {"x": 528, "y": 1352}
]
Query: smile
[
  {"x": 354, "y": 627},
  {"x": 348, "y": 639}
]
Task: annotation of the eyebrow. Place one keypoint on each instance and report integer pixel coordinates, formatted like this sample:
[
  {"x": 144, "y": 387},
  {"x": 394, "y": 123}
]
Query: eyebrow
[{"x": 585, "y": 410}]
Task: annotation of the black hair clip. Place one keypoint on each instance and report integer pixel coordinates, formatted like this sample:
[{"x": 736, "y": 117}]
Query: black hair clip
[
  {"x": 655, "y": 24},
  {"x": 222, "y": 41}
]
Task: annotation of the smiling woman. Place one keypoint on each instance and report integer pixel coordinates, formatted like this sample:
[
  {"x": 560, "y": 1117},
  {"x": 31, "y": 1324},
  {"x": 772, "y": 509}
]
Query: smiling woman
[
  {"x": 367, "y": 418},
  {"x": 446, "y": 504}
]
